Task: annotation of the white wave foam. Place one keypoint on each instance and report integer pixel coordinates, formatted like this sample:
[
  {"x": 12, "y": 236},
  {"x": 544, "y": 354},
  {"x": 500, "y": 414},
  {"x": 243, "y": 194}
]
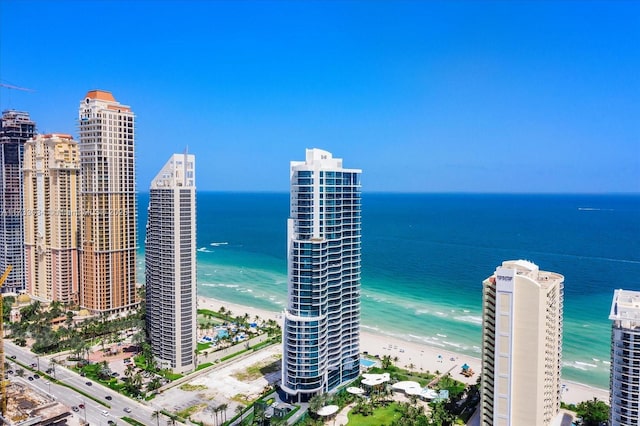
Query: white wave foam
[
  {"x": 471, "y": 319},
  {"x": 441, "y": 335},
  {"x": 219, "y": 285},
  {"x": 455, "y": 345}
]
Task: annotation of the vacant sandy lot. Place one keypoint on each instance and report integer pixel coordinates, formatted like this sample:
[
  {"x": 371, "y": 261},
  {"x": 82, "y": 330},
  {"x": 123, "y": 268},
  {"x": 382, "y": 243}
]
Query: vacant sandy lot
[{"x": 231, "y": 384}]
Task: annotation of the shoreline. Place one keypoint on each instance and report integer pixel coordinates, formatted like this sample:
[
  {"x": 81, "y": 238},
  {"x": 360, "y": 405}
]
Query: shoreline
[{"x": 421, "y": 356}]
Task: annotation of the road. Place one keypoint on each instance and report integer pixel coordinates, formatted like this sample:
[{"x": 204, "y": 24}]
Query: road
[{"x": 96, "y": 413}]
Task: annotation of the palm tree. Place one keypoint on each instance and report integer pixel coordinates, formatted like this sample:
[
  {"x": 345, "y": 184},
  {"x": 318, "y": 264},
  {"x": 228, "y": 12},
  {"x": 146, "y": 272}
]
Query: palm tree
[
  {"x": 213, "y": 410},
  {"x": 223, "y": 410},
  {"x": 317, "y": 402},
  {"x": 156, "y": 415},
  {"x": 239, "y": 410},
  {"x": 386, "y": 361}
]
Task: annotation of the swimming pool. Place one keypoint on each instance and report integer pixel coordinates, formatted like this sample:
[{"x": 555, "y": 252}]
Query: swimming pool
[{"x": 367, "y": 363}]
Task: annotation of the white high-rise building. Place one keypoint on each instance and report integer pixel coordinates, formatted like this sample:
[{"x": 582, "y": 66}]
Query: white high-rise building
[
  {"x": 521, "y": 345},
  {"x": 108, "y": 203},
  {"x": 625, "y": 359},
  {"x": 321, "y": 333},
  {"x": 170, "y": 258}
]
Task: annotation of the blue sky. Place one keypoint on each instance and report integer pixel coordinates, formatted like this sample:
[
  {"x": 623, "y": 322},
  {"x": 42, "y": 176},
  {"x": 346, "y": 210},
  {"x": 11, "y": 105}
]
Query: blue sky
[{"x": 423, "y": 96}]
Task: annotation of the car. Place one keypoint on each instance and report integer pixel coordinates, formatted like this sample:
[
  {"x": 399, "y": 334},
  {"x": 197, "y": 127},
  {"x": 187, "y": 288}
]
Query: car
[
  {"x": 111, "y": 422},
  {"x": 127, "y": 409},
  {"x": 13, "y": 357},
  {"x": 109, "y": 398},
  {"x": 87, "y": 383},
  {"x": 36, "y": 376},
  {"x": 9, "y": 371},
  {"x": 34, "y": 365},
  {"x": 81, "y": 406},
  {"x": 30, "y": 378},
  {"x": 49, "y": 371},
  {"x": 105, "y": 413},
  {"x": 75, "y": 409}
]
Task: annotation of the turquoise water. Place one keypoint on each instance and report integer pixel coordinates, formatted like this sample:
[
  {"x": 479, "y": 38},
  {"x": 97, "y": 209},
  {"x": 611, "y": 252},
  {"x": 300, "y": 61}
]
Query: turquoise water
[{"x": 425, "y": 256}]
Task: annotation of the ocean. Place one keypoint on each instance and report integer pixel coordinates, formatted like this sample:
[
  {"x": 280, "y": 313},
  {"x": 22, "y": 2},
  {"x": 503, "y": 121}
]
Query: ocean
[{"x": 424, "y": 257}]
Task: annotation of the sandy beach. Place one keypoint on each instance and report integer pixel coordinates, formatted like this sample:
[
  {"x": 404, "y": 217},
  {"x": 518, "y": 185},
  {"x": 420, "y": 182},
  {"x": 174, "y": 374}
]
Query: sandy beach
[{"x": 412, "y": 354}]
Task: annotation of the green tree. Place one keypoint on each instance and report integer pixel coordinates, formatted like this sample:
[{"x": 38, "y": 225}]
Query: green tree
[
  {"x": 386, "y": 361},
  {"x": 593, "y": 412},
  {"x": 317, "y": 402},
  {"x": 156, "y": 415}
]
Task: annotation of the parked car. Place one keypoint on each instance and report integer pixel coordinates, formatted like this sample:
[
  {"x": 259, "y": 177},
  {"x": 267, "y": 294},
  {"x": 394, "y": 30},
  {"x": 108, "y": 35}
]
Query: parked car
[
  {"x": 36, "y": 376},
  {"x": 75, "y": 409}
]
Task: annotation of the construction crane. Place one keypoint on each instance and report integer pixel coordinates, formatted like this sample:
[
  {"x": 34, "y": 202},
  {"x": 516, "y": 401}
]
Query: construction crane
[
  {"x": 3, "y": 382},
  {"x": 11, "y": 86}
]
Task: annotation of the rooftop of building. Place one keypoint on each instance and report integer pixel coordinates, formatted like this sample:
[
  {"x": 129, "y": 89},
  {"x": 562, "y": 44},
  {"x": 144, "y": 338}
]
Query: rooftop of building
[
  {"x": 102, "y": 95},
  {"x": 625, "y": 308}
]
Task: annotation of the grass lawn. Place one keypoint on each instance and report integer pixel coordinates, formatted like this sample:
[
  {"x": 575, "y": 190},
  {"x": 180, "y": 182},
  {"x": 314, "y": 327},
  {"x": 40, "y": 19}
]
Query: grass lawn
[{"x": 381, "y": 416}]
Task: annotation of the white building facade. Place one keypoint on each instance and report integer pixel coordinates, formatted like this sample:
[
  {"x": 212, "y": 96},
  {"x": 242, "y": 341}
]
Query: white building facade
[
  {"x": 321, "y": 332},
  {"x": 521, "y": 345},
  {"x": 625, "y": 359},
  {"x": 170, "y": 265}
]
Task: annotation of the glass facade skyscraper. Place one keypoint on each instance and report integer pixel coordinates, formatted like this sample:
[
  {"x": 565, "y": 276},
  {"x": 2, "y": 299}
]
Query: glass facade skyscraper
[
  {"x": 321, "y": 333},
  {"x": 16, "y": 128}
]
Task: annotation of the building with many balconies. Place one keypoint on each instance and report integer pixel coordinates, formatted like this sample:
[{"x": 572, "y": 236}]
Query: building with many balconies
[
  {"x": 321, "y": 333},
  {"x": 624, "y": 396},
  {"x": 521, "y": 345}
]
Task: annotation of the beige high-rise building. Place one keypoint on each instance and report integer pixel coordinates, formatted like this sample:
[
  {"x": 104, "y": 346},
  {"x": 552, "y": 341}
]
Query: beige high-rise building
[
  {"x": 51, "y": 167},
  {"x": 108, "y": 202},
  {"x": 521, "y": 345}
]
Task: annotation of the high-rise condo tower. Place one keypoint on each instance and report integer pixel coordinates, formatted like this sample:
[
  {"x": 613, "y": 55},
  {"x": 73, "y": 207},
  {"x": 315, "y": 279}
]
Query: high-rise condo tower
[
  {"x": 108, "y": 204},
  {"x": 51, "y": 168},
  {"x": 625, "y": 359},
  {"x": 521, "y": 345},
  {"x": 170, "y": 258},
  {"x": 15, "y": 129},
  {"x": 321, "y": 337}
]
